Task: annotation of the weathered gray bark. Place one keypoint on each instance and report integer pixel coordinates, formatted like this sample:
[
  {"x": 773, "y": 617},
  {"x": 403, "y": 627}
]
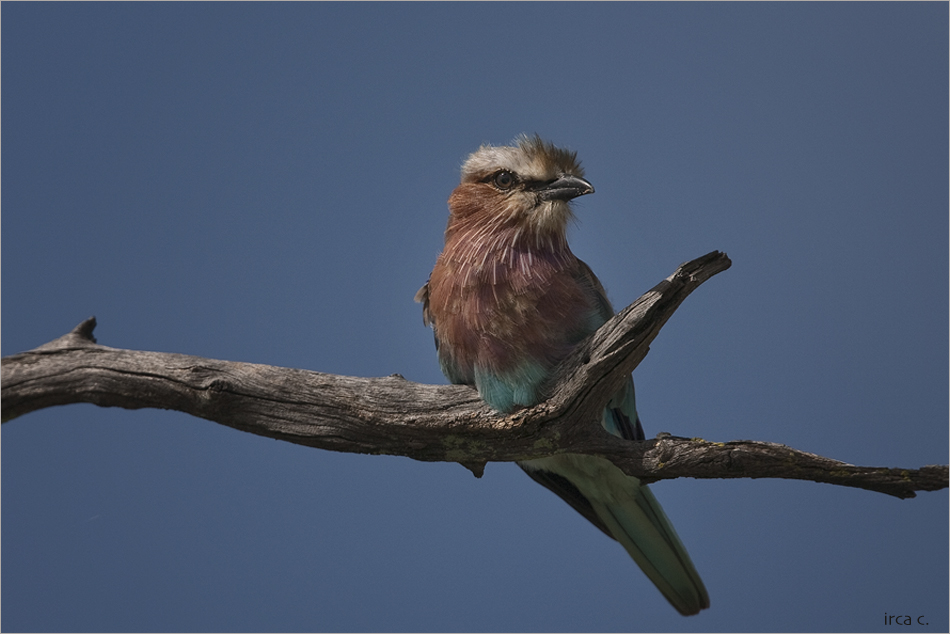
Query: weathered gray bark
[{"x": 427, "y": 422}]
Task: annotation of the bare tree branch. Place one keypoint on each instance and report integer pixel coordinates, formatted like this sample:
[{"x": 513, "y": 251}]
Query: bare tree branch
[{"x": 427, "y": 422}]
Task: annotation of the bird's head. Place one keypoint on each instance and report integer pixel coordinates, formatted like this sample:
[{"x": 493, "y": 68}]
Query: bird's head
[{"x": 526, "y": 186}]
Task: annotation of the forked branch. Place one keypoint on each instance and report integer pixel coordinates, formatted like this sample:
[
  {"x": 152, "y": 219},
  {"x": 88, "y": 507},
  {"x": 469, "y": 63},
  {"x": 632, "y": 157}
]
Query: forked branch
[{"x": 428, "y": 422}]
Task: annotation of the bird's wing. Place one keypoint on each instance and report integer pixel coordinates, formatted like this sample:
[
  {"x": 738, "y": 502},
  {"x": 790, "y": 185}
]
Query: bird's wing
[
  {"x": 586, "y": 278},
  {"x": 620, "y": 417},
  {"x": 422, "y": 296}
]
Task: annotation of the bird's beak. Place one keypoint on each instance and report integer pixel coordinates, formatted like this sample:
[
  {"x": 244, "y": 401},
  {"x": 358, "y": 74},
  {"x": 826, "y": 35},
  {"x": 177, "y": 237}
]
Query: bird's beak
[{"x": 565, "y": 188}]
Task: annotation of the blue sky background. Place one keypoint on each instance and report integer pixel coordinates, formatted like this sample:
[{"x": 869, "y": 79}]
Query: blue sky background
[{"x": 267, "y": 183}]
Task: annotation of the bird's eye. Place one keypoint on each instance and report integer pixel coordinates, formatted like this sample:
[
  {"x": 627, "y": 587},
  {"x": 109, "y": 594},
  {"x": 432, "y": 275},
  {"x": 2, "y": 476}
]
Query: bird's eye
[{"x": 504, "y": 180}]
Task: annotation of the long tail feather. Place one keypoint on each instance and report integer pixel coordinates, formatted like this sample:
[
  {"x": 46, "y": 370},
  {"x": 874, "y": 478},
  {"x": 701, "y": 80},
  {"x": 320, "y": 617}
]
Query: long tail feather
[
  {"x": 648, "y": 536},
  {"x": 631, "y": 515}
]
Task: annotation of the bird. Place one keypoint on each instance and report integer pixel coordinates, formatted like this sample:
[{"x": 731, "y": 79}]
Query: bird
[{"x": 507, "y": 301}]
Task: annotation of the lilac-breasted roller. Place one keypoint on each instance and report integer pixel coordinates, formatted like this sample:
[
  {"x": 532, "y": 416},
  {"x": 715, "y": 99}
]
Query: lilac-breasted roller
[{"x": 507, "y": 301}]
